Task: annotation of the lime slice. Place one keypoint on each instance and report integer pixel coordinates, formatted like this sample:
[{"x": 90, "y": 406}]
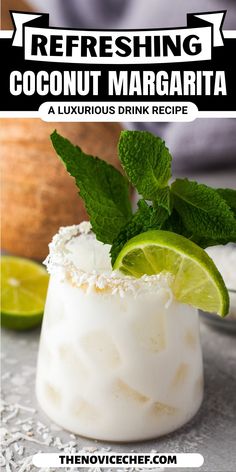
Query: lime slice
[
  {"x": 23, "y": 291},
  {"x": 196, "y": 280}
]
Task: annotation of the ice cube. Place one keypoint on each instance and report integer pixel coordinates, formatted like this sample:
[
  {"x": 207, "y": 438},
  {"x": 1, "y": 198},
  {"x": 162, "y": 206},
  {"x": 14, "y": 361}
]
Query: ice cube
[
  {"x": 190, "y": 339},
  {"x": 181, "y": 375},
  {"x": 100, "y": 349},
  {"x": 71, "y": 361},
  {"x": 162, "y": 409},
  {"x": 52, "y": 394},
  {"x": 124, "y": 391},
  {"x": 88, "y": 254},
  {"x": 150, "y": 331},
  {"x": 83, "y": 410}
]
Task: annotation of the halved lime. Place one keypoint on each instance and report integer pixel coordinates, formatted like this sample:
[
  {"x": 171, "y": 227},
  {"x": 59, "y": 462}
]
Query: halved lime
[
  {"x": 23, "y": 292},
  {"x": 196, "y": 280}
]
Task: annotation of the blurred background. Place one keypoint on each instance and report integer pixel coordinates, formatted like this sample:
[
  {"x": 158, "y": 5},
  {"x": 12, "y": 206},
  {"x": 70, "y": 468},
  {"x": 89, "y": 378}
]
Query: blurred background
[{"x": 37, "y": 194}]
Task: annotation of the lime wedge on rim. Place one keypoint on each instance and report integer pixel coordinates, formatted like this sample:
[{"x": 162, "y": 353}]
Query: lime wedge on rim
[
  {"x": 196, "y": 280},
  {"x": 23, "y": 292}
]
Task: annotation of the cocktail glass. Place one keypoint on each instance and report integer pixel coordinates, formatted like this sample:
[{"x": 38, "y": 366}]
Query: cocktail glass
[{"x": 119, "y": 359}]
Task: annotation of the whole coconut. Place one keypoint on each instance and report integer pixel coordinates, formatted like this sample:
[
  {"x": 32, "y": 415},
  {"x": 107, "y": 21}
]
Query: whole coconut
[{"x": 38, "y": 196}]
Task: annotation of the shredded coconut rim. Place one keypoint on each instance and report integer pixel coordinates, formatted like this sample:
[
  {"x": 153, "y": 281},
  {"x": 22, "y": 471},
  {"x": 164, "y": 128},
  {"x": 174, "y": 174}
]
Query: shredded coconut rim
[{"x": 58, "y": 263}]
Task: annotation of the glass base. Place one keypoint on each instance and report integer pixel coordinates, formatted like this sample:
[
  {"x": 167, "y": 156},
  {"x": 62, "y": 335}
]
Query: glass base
[{"x": 120, "y": 433}]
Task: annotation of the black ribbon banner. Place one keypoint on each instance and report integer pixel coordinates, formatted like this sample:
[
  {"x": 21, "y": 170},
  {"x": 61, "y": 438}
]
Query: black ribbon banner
[{"x": 151, "y": 74}]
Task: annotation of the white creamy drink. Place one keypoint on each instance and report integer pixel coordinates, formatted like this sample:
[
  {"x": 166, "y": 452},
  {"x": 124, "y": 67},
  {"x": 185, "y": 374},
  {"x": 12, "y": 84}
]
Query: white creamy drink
[{"x": 119, "y": 359}]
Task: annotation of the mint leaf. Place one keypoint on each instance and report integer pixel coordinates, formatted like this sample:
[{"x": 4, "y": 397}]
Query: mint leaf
[
  {"x": 102, "y": 187},
  {"x": 137, "y": 224},
  {"x": 204, "y": 213},
  {"x": 164, "y": 198},
  {"x": 147, "y": 163},
  {"x": 145, "y": 218},
  {"x": 158, "y": 217},
  {"x": 229, "y": 195},
  {"x": 207, "y": 242},
  {"x": 174, "y": 223}
]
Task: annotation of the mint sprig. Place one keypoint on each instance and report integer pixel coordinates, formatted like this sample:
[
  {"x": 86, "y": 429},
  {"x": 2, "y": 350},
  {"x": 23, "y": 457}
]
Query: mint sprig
[
  {"x": 103, "y": 188},
  {"x": 205, "y": 215}
]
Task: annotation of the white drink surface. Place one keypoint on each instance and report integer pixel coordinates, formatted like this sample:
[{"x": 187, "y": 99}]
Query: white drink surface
[{"x": 119, "y": 358}]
